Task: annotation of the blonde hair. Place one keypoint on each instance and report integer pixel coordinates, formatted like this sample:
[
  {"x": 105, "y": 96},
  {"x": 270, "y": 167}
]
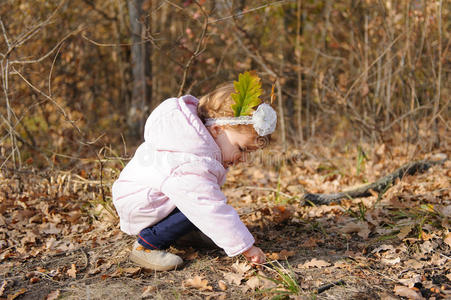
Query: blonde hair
[{"x": 218, "y": 103}]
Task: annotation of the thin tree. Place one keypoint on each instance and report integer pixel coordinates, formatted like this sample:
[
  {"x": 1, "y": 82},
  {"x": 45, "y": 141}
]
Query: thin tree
[{"x": 141, "y": 67}]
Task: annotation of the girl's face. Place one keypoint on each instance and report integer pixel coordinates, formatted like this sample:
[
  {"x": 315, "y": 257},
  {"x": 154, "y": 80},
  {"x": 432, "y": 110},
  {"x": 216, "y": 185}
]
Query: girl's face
[{"x": 234, "y": 145}]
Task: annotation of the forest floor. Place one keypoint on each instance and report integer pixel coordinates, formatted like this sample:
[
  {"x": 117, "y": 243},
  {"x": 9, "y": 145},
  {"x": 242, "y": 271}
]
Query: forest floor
[{"x": 60, "y": 239}]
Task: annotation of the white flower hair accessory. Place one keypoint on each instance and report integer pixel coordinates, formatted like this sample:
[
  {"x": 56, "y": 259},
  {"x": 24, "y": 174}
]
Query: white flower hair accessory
[
  {"x": 247, "y": 96},
  {"x": 264, "y": 120}
]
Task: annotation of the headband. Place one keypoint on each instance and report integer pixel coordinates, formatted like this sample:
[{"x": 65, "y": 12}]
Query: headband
[
  {"x": 264, "y": 120},
  {"x": 247, "y": 97}
]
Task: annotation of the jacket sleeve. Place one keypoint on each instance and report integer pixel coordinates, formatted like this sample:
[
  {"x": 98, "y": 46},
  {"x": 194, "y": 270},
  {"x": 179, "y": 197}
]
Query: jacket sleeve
[{"x": 194, "y": 189}]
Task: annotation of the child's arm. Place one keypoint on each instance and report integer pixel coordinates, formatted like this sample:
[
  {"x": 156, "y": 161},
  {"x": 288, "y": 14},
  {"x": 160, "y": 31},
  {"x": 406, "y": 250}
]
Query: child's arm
[
  {"x": 194, "y": 189},
  {"x": 255, "y": 255}
]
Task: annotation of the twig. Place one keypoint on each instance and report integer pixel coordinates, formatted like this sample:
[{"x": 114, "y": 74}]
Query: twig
[
  {"x": 51, "y": 70},
  {"x": 267, "y": 189},
  {"x": 15, "y": 62},
  {"x": 5, "y": 36},
  {"x": 252, "y": 10},
  {"x": 330, "y": 285},
  {"x": 380, "y": 186},
  {"x": 63, "y": 112}
]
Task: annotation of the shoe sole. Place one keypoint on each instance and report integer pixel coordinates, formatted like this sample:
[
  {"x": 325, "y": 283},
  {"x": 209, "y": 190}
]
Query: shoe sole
[{"x": 146, "y": 265}]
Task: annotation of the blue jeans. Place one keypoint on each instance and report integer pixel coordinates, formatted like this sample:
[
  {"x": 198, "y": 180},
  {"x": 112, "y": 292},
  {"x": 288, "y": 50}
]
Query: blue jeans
[{"x": 165, "y": 232}]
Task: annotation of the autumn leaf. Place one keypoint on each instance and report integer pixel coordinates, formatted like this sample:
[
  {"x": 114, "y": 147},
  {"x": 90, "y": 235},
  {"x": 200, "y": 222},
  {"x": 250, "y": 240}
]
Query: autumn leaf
[
  {"x": 241, "y": 268},
  {"x": 254, "y": 282},
  {"x": 391, "y": 262},
  {"x": 53, "y": 295},
  {"x": 233, "y": 278},
  {"x": 404, "y": 291},
  {"x": 148, "y": 292},
  {"x": 72, "y": 272},
  {"x": 17, "y": 294},
  {"x": 2, "y": 288},
  {"x": 198, "y": 282},
  {"x": 222, "y": 285},
  {"x": 248, "y": 90},
  {"x": 131, "y": 270},
  {"x": 447, "y": 239},
  {"x": 314, "y": 263},
  {"x": 284, "y": 254},
  {"x": 361, "y": 228},
  {"x": 410, "y": 282},
  {"x": 404, "y": 231}
]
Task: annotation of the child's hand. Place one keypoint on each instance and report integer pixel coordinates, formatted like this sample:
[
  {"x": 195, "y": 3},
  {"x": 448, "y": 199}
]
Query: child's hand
[{"x": 255, "y": 255}]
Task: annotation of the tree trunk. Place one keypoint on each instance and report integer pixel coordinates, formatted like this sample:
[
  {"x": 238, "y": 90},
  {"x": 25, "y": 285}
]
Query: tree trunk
[{"x": 141, "y": 69}]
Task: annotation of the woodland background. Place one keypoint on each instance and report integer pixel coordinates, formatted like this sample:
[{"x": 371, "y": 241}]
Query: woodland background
[
  {"x": 81, "y": 75},
  {"x": 362, "y": 87}
]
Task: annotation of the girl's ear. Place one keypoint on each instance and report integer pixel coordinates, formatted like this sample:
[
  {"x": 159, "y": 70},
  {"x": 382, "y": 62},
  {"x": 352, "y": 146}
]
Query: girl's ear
[{"x": 215, "y": 130}]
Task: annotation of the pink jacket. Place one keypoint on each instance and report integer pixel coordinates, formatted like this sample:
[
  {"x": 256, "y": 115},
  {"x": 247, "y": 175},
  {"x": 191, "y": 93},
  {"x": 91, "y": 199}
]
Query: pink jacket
[{"x": 179, "y": 165}]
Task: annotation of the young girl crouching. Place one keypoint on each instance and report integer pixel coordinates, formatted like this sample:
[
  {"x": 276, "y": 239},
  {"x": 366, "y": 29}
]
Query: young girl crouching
[{"x": 171, "y": 186}]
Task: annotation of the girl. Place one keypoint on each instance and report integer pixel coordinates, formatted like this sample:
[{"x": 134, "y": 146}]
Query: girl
[{"x": 172, "y": 184}]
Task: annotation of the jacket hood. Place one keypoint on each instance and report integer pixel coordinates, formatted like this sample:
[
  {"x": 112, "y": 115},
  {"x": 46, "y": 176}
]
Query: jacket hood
[{"x": 175, "y": 126}]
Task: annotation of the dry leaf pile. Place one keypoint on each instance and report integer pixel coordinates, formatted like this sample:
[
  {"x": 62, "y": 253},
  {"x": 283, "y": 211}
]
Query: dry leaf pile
[{"x": 59, "y": 237}]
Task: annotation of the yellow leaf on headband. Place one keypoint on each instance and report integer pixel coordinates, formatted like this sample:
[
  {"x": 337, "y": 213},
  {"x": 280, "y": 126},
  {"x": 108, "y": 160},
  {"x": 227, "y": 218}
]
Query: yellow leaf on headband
[{"x": 247, "y": 96}]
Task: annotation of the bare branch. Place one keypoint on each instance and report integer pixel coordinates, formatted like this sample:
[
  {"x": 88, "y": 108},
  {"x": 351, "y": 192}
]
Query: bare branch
[
  {"x": 15, "y": 62},
  {"x": 5, "y": 36},
  {"x": 197, "y": 52},
  {"x": 252, "y": 10},
  {"x": 63, "y": 112}
]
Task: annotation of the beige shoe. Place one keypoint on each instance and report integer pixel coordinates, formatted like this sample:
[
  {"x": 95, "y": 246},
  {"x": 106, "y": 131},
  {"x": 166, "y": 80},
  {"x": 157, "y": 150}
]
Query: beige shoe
[{"x": 157, "y": 260}]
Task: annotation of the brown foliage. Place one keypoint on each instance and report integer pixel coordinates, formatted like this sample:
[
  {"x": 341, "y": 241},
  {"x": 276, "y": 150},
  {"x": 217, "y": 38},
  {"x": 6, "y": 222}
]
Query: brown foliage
[{"x": 367, "y": 68}]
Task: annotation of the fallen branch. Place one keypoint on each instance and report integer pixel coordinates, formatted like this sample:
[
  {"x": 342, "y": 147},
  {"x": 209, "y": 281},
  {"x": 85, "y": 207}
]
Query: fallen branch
[
  {"x": 326, "y": 287},
  {"x": 380, "y": 186}
]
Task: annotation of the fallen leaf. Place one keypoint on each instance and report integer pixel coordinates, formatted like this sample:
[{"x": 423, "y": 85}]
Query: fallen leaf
[
  {"x": 222, "y": 285},
  {"x": 311, "y": 242},
  {"x": 34, "y": 280},
  {"x": 254, "y": 282},
  {"x": 404, "y": 291},
  {"x": 6, "y": 254},
  {"x": 314, "y": 263},
  {"x": 414, "y": 264},
  {"x": 361, "y": 228},
  {"x": 3, "y": 287},
  {"x": 386, "y": 296},
  {"x": 72, "y": 272},
  {"x": 284, "y": 254},
  {"x": 404, "y": 231},
  {"x": 241, "y": 268},
  {"x": 281, "y": 213},
  {"x": 410, "y": 282},
  {"x": 17, "y": 294},
  {"x": 50, "y": 228},
  {"x": 30, "y": 238},
  {"x": 427, "y": 247},
  {"x": 148, "y": 292},
  {"x": 391, "y": 262},
  {"x": 383, "y": 248},
  {"x": 233, "y": 278},
  {"x": 447, "y": 239},
  {"x": 131, "y": 270},
  {"x": 191, "y": 255},
  {"x": 438, "y": 259},
  {"x": 341, "y": 264},
  {"x": 198, "y": 283},
  {"x": 53, "y": 295}
]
